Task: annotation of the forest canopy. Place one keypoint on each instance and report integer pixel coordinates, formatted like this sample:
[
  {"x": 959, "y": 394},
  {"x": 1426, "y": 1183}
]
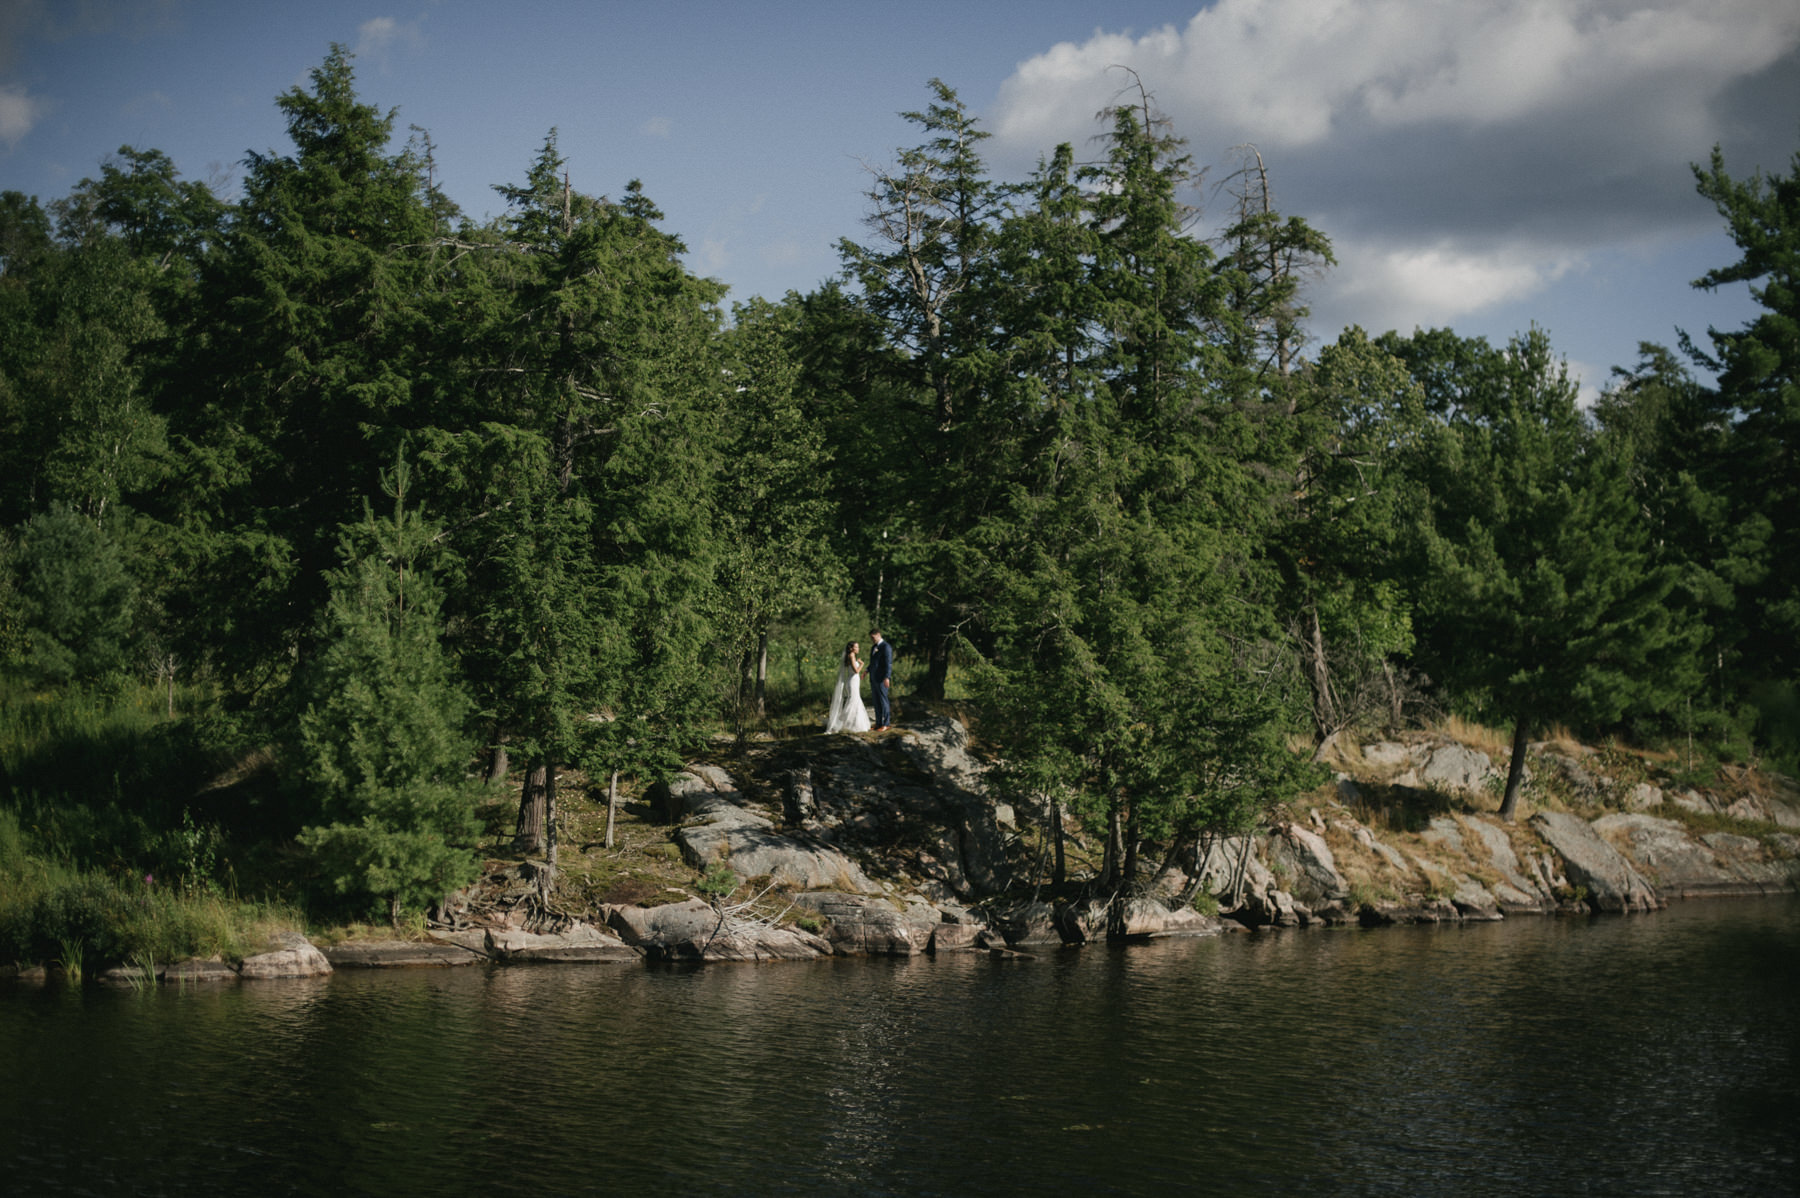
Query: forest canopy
[{"x": 396, "y": 497}]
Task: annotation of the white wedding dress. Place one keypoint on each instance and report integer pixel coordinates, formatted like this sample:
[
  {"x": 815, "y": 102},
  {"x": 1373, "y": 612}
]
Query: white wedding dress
[{"x": 847, "y": 713}]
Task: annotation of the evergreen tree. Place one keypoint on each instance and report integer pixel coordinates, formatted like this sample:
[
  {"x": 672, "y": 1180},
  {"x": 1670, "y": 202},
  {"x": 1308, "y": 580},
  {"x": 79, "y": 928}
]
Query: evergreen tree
[
  {"x": 926, "y": 276},
  {"x": 1356, "y": 414},
  {"x": 1678, "y": 440},
  {"x": 580, "y": 440},
  {"x": 301, "y": 375},
  {"x": 776, "y": 555},
  {"x": 1539, "y": 598},
  {"x": 377, "y": 745},
  {"x": 73, "y": 599},
  {"x": 1125, "y": 636},
  {"x": 1758, "y": 370}
]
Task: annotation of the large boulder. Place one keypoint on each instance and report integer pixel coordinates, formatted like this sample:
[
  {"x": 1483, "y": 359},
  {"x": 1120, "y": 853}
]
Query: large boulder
[
  {"x": 1475, "y": 902},
  {"x": 938, "y": 747},
  {"x": 199, "y": 969},
  {"x": 1421, "y": 910},
  {"x": 748, "y": 842},
  {"x": 1135, "y": 918},
  {"x": 1311, "y": 870},
  {"x": 288, "y": 955},
  {"x": 695, "y": 931},
  {"x": 1751, "y": 859},
  {"x": 1611, "y": 881},
  {"x": 759, "y": 852},
  {"x": 693, "y": 792},
  {"x": 1451, "y": 769},
  {"x": 861, "y": 925},
  {"x": 1024, "y": 923},
  {"x": 580, "y": 943},
  {"x": 399, "y": 954},
  {"x": 1514, "y": 893},
  {"x": 1678, "y": 865},
  {"x": 1387, "y": 754}
]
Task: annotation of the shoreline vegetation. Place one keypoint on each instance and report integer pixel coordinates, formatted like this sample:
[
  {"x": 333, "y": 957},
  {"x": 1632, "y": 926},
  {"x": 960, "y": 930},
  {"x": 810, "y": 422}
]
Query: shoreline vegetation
[
  {"x": 366, "y": 565},
  {"x": 1404, "y": 830}
]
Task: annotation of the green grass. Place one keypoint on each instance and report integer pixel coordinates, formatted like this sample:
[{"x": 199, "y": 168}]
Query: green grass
[
  {"x": 102, "y": 858},
  {"x": 51, "y": 911}
]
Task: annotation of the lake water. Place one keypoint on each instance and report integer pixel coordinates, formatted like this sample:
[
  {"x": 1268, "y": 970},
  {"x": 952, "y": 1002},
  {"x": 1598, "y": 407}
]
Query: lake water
[{"x": 1645, "y": 1055}]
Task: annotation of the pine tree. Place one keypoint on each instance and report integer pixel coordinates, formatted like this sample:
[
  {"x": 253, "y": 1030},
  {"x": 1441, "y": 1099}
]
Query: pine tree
[
  {"x": 925, "y": 274},
  {"x": 776, "y": 556},
  {"x": 300, "y": 377},
  {"x": 377, "y": 745},
  {"x": 74, "y": 599},
  {"x": 1758, "y": 370},
  {"x": 1355, "y": 414},
  {"x": 1125, "y": 642},
  {"x": 580, "y": 440},
  {"x": 1540, "y": 600}
]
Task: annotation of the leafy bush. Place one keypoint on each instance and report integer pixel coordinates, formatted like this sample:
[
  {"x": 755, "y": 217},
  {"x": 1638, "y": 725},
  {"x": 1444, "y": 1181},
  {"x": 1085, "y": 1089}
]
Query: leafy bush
[{"x": 75, "y": 598}]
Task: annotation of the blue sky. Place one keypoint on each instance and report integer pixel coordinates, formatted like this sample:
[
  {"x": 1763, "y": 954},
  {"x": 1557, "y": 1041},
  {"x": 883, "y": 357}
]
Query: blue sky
[{"x": 1482, "y": 165}]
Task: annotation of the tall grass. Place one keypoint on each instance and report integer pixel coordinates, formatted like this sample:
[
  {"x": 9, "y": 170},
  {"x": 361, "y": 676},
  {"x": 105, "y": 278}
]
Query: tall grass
[
  {"x": 47, "y": 906},
  {"x": 102, "y": 857}
]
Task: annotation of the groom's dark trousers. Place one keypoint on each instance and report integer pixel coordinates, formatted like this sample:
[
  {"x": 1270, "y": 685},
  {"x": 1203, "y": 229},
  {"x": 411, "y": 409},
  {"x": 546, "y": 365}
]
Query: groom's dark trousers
[{"x": 881, "y": 670}]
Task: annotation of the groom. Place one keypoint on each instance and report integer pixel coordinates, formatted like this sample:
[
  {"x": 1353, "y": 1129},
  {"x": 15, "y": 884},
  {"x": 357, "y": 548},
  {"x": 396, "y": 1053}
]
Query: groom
[{"x": 881, "y": 672}]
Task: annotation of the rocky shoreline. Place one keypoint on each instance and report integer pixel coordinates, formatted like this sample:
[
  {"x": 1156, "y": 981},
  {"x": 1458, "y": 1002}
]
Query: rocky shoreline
[{"x": 892, "y": 846}]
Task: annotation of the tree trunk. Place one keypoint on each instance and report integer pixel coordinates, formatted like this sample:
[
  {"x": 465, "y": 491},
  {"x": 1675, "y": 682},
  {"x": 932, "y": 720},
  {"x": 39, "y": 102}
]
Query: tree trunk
[
  {"x": 937, "y": 670},
  {"x": 762, "y": 674},
  {"x": 1133, "y": 835},
  {"x": 1239, "y": 872},
  {"x": 529, "y": 839},
  {"x": 550, "y": 815},
  {"x": 612, "y": 806},
  {"x": 1059, "y": 872},
  {"x": 1115, "y": 846},
  {"x": 1191, "y": 849},
  {"x": 1324, "y": 711},
  {"x": 498, "y": 763},
  {"x": 1515, "y": 774}
]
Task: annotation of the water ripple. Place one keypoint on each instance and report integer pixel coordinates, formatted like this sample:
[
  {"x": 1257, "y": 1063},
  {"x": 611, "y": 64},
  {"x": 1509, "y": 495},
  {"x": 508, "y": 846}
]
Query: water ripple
[{"x": 1652, "y": 1055}]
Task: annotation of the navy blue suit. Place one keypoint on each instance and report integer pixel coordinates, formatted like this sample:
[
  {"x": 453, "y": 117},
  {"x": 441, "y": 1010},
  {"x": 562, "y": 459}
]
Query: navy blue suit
[{"x": 881, "y": 671}]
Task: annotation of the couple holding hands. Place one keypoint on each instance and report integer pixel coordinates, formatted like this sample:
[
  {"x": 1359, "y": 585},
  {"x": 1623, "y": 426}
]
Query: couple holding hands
[{"x": 847, "y": 713}]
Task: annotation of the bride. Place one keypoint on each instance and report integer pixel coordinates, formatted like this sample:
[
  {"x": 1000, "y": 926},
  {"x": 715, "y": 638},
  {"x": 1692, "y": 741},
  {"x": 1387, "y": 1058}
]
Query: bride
[{"x": 847, "y": 712}]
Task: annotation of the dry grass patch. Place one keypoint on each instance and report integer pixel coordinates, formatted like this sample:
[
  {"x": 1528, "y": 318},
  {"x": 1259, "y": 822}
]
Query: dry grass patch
[
  {"x": 1491, "y": 741},
  {"x": 1559, "y": 737}
]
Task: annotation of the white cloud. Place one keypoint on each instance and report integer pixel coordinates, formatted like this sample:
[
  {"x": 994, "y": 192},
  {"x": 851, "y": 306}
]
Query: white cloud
[
  {"x": 711, "y": 257},
  {"x": 1391, "y": 286},
  {"x": 1460, "y": 155},
  {"x": 19, "y": 113},
  {"x": 1287, "y": 73},
  {"x": 784, "y": 252},
  {"x": 376, "y": 36}
]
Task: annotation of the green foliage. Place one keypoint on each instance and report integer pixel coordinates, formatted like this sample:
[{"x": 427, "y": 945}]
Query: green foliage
[
  {"x": 377, "y": 745},
  {"x": 717, "y": 883},
  {"x": 1758, "y": 421},
  {"x": 776, "y": 559},
  {"x": 74, "y": 599},
  {"x": 52, "y": 911},
  {"x": 1357, "y": 414},
  {"x": 1046, "y": 428},
  {"x": 1539, "y": 597},
  {"x": 1127, "y": 666}
]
